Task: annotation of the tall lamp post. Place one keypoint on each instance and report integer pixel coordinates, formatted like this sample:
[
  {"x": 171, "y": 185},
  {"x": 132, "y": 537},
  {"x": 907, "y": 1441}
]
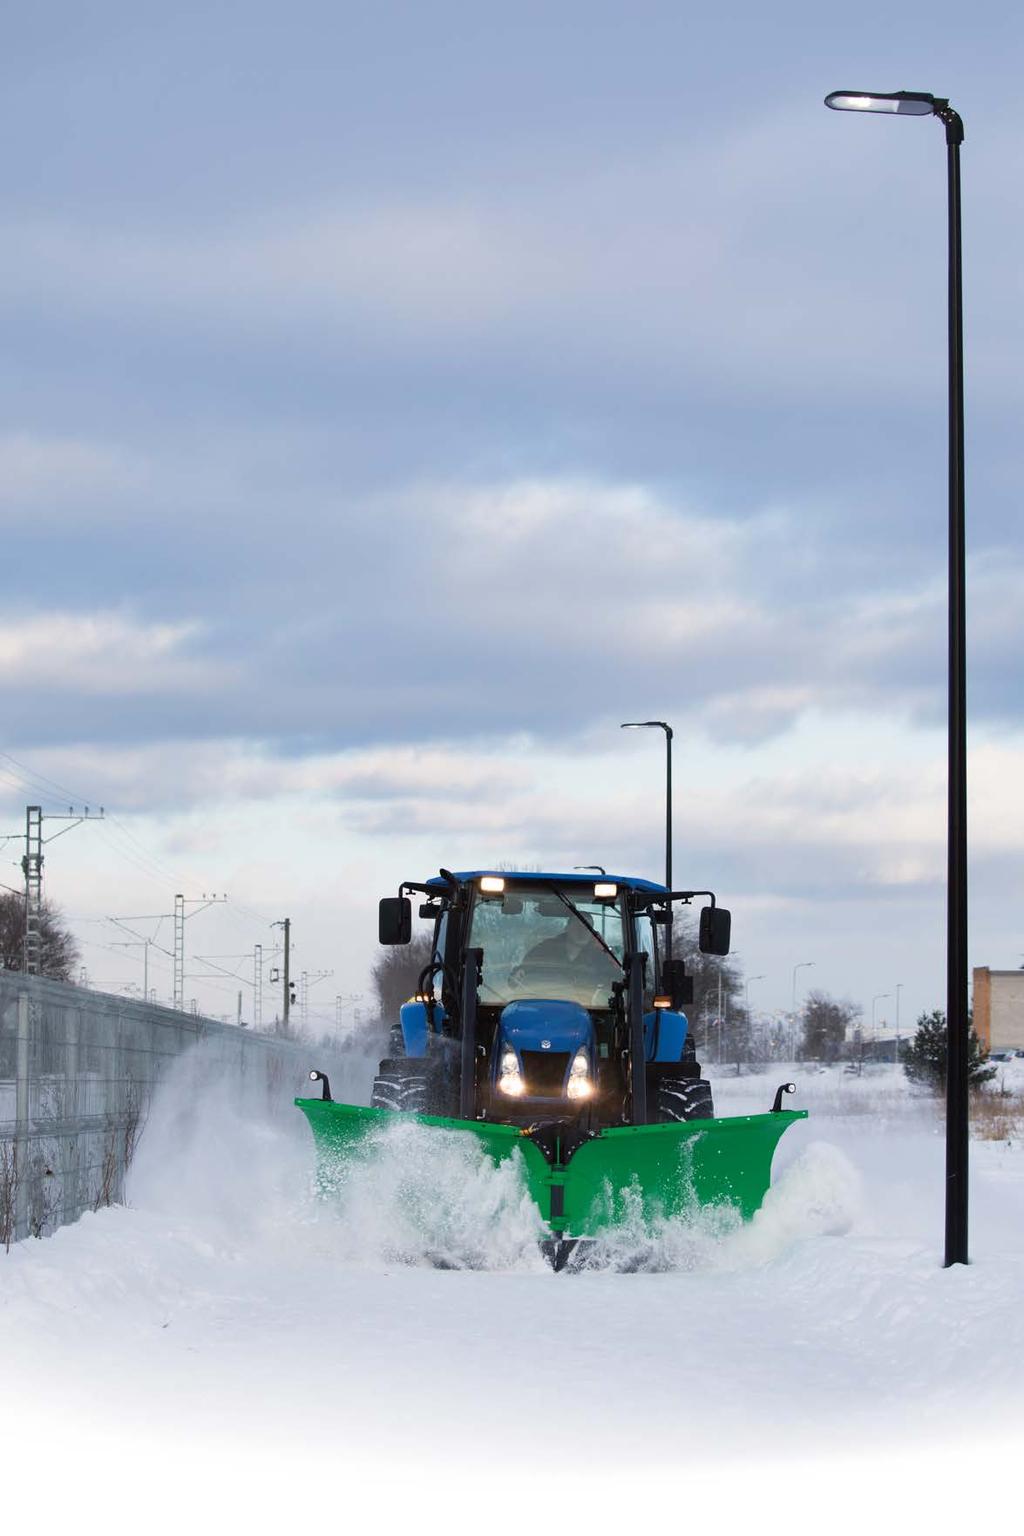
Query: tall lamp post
[
  {"x": 921, "y": 104},
  {"x": 661, "y": 725}
]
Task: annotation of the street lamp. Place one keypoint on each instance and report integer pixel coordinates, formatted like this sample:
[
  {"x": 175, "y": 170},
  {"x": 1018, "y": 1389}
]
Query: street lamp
[
  {"x": 747, "y": 990},
  {"x": 876, "y": 999},
  {"x": 921, "y": 104},
  {"x": 661, "y": 725},
  {"x": 802, "y": 966}
]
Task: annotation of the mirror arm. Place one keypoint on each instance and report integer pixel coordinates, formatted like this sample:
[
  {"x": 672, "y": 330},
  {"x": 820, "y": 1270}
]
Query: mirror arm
[{"x": 644, "y": 900}]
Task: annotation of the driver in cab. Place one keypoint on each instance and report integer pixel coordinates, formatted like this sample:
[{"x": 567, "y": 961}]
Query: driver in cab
[{"x": 575, "y": 954}]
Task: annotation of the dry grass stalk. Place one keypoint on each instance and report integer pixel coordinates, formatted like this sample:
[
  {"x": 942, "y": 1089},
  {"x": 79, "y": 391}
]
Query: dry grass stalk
[{"x": 997, "y": 1116}]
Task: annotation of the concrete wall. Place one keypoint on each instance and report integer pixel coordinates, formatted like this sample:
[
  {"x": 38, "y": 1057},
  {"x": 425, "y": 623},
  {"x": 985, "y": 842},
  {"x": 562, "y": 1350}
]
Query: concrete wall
[
  {"x": 999, "y": 1008},
  {"x": 78, "y": 1070}
]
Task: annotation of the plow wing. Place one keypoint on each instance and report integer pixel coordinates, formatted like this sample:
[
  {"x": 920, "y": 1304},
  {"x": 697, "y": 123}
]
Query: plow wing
[{"x": 583, "y": 1187}]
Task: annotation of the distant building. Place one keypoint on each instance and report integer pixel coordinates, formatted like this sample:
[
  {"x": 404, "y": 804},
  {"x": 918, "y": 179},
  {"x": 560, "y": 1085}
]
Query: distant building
[{"x": 999, "y": 1008}]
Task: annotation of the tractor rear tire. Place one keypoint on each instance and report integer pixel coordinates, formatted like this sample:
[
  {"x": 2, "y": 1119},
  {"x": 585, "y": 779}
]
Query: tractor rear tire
[{"x": 685, "y": 1099}]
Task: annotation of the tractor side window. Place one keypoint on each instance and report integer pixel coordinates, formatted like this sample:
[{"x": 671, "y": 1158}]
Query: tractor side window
[
  {"x": 439, "y": 947},
  {"x": 648, "y": 944}
]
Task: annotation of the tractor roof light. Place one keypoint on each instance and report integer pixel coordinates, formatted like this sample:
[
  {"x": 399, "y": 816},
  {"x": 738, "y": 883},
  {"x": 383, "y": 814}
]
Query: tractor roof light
[
  {"x": 492, "y": 885},
  {"x": 605, "y": 890}
]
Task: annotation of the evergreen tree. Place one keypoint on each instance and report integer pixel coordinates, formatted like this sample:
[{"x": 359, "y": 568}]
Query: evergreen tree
[{"x": 924, "y": 1057}]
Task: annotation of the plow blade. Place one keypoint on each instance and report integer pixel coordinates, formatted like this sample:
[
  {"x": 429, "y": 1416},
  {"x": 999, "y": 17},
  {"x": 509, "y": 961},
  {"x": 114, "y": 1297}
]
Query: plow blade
[{"x": 670, "y": 1169}]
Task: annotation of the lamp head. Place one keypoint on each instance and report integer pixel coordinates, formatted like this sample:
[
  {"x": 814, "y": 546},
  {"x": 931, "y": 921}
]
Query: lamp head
[
  {"x": 905, "y": 103},
  {"x": 641, "y": 725}
]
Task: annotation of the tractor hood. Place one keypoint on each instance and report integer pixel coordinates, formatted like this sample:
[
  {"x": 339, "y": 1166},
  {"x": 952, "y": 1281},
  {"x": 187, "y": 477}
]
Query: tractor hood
[{"x": 539, "y": 1024}]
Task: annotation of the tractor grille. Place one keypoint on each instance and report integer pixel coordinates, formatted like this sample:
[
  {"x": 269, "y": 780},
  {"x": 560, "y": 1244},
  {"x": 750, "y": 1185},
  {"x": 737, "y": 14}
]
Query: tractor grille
[{"x": 544, "y": 1072}]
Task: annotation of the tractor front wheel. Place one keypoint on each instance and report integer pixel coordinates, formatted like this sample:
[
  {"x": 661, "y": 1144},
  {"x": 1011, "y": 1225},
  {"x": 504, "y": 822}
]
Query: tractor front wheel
[
  {"x": 400, "y": 1085},
  {"x": 412, "y": 1086}
]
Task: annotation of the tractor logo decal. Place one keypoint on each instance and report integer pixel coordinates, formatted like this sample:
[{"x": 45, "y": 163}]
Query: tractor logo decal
[{"x": 545, "y": 1045}]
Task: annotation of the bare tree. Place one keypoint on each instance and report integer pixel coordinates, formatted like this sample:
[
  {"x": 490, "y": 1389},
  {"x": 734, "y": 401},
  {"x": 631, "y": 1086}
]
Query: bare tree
[
  {"x": 396, "y": 973},
  {"x": 825, "y": 1021},
  {"x": 703, "y": 1013},
  {"x": 59, "y": 954}
]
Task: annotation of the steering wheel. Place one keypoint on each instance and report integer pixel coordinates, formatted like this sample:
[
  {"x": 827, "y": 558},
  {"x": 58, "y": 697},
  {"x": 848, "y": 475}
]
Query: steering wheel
[
  {"x": 522, "y": 976},
  {"x": 537, "y": 971}
]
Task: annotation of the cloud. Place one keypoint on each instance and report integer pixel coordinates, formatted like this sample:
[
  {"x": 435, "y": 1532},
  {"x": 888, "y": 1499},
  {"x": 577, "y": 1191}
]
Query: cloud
[
  {"x": 818, "y": 817},
  {"x": 52, "y": 474},
  {"x": 756, "y": 281},
  {"x": 476, "y": 611},
  {"x": 101, "y": 654}
]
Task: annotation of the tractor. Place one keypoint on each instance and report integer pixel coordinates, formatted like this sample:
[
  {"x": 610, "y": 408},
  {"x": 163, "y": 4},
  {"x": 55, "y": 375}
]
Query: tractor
[{"x": 550, "y": 1022}]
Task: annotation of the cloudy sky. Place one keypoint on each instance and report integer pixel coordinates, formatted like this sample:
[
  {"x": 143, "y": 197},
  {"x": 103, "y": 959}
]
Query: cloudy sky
[{"x": 396, "y": 397}]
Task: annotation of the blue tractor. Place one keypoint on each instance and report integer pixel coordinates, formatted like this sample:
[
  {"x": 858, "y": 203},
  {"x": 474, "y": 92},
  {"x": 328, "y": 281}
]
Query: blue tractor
[
  {"x": 549, "y": 1027},
  {"x": 541, "y": 967}
]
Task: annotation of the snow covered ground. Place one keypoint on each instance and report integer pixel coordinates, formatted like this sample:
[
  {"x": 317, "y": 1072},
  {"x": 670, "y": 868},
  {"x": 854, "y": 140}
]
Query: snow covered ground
[{"x": 228, "y": 1345}]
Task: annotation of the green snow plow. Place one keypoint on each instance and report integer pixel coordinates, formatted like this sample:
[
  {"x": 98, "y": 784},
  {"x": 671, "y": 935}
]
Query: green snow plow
[{"x": 549, "y": 1026}]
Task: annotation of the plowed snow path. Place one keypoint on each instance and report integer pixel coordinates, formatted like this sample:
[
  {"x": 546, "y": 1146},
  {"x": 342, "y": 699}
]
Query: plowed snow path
[{"x": 227, "y": 1309}]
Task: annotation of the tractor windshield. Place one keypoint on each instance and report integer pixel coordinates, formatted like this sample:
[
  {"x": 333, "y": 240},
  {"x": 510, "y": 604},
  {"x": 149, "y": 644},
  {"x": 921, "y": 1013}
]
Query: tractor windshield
[{"x": 534, "y": 946}]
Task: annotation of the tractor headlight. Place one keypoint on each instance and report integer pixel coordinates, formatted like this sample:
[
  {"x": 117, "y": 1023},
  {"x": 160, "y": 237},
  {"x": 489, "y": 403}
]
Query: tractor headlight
[
  {"x": 580, "y": 1084},
  {"x": 510, "y": 1078}
]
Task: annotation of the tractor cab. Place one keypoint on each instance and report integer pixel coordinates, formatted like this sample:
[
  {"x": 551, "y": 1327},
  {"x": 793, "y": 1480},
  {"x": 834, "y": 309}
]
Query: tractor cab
[{"x": 548, "y": 998}]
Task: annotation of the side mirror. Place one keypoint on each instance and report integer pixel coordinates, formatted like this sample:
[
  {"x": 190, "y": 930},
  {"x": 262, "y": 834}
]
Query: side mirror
[
  {"x": 394, "y": 924},
  {"x": 715, "y": 931},
  {"x": 676, "y": 983}
]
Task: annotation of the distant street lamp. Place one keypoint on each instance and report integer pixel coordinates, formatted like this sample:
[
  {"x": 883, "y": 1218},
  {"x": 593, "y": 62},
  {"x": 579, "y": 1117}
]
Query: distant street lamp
[
  {"x": 876, "y": 999},
  {"x": 801, "y": 967},
  {"x": 922, "y": 104},
  {"x": 803, "y": 964},
  {"x": 747, "y": 994}
]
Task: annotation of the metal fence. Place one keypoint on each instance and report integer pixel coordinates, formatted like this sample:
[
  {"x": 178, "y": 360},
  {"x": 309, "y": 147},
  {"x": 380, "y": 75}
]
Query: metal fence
[{"x": 78, "y": 1070}]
